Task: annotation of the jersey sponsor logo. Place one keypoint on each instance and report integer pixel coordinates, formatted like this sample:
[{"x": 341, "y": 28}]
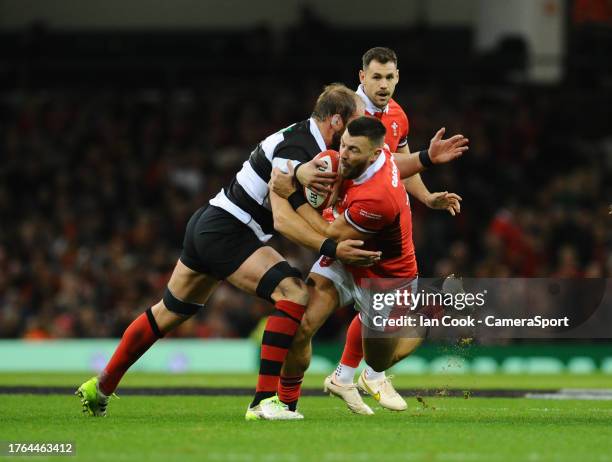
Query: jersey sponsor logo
[
  {"x": 394, "y": 173},
  {"x": 370, "y": 215}
]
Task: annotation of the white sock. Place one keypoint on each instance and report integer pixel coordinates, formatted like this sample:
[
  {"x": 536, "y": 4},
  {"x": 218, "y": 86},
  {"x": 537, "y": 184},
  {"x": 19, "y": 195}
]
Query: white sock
[
  {"x": 371, "y": 374},
  {"x": 344, "y": 375}
]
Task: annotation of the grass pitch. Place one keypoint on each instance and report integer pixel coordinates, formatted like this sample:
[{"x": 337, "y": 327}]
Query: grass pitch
[
  {"x": 194, "y": 428},
  {"x": 315, "y": 381}
]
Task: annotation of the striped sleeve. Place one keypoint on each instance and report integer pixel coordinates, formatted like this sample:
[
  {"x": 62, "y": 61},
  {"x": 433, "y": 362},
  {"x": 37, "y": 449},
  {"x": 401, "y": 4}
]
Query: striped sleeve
[{"x": 291, "y": 154}]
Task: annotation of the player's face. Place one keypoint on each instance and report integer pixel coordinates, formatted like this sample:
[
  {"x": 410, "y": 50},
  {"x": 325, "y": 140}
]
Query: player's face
[
  {"x": 356, "y": 154},
  {"x": 379, "y": 81}
]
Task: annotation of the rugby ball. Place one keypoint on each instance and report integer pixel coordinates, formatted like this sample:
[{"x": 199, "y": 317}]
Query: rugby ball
[{"x": 322, "y": 201}]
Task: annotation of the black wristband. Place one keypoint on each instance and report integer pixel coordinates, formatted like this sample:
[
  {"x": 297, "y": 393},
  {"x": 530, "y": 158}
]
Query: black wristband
[
  {"x": 328, "y": 248},
  {"x": 296, "y": 200},
  {"x": 425, "y": 159}
]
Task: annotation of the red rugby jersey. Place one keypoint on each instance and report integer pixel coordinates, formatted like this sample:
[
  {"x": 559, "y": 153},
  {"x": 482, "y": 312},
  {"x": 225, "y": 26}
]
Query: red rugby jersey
[
  {"x": 393, "y": 118},
  {"x": 376, "y": 203}
]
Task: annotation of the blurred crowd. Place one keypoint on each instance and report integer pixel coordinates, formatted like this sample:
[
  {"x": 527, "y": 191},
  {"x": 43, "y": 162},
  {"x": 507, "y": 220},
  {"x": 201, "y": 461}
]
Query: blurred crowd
[{"x": 96, "y": 187}]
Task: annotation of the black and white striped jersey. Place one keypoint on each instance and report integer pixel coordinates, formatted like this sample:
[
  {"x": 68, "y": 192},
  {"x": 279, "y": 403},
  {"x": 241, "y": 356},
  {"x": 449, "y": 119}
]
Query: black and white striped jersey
[{"x": 247, "y": 196}]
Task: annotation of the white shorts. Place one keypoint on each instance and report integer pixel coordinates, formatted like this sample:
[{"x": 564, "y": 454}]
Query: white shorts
[{"x": 349, "y": 292}]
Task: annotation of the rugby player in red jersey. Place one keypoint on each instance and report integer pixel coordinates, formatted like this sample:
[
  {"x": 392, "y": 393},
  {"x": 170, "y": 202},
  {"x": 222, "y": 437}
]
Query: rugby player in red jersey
[
  {"x": 374, "y": 208},
  {"x": 378, "y": 78}
]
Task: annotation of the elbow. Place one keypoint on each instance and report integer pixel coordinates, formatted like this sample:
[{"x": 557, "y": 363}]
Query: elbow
[
  {"x": 279, "y": 224},
  {"x": 405, "y": 172}
]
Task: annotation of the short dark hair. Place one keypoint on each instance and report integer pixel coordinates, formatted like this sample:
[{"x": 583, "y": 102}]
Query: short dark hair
[
  {"x": 336, "y": 98},
  {"x": 381, "y": 54},
  {"x": 370, "y": 127}
]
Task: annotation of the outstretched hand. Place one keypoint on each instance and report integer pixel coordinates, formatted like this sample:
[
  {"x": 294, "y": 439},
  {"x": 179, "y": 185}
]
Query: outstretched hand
[
  {"x": 442, "y": 151},
  {"x": 450, "y": 202}
]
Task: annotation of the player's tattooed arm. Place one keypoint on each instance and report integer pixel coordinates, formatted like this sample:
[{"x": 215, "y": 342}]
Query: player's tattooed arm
[{"x": 439, "y": 152}]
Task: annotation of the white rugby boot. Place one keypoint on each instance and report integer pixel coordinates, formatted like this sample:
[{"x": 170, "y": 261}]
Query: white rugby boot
[
  {"x": 382, "y": 391},
  {"x": 349, "y": 394},
  {"x": 272, "y": 409}
]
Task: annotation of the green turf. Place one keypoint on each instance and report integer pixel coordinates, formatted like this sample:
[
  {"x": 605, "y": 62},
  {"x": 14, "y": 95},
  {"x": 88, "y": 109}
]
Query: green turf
[
  {"x": 467, "y": 381},
  {"x": 212, "y": 428}
]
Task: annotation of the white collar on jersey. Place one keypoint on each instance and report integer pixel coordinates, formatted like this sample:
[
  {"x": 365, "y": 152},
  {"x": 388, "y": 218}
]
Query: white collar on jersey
[
  {"x": 371, "y": 170},
  {"x": 314, "y": 129},
  {"x": 368, "y": 103}
]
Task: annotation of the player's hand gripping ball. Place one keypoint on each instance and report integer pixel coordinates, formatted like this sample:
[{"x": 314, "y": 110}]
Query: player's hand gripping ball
[{"x": 330, "y": 161}]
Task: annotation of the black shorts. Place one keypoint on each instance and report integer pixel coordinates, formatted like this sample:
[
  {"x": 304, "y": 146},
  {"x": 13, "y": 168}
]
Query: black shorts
[{"x": 217, "y": 243}]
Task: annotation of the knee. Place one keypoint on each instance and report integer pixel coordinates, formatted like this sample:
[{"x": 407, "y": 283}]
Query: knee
[
  {"x": 178, "y": 307},
  {"x": 164, "y": 319},
  {"x": 292, "y": 289}
]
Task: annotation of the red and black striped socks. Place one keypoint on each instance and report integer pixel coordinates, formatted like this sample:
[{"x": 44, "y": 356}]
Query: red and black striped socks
[
  {"x": 280, "y": 329},
  {"x": 289, "y": 390}
]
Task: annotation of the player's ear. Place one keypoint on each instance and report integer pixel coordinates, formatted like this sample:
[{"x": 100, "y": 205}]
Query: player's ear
[
  {"x": 361, "y": 75},
  {"x": 397, "y": 74},
  {"x": 336, "y": 120}
]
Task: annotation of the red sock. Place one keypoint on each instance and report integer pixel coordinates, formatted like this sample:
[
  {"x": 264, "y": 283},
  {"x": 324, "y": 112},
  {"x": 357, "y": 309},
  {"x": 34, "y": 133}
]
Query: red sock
[
  {"x": 278, "y": 335},
  {"x": 289, "y": 390},
  {"x": 137, "y": 338},
  {"x": 353, "y": 349}
]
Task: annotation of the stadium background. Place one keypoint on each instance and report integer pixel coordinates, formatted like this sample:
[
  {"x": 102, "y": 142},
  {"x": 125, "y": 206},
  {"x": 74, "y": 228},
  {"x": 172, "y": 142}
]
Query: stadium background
[{"x": 118, "y": 120}]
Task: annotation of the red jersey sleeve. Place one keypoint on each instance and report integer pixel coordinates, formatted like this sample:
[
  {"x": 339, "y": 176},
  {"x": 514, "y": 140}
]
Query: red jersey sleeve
[
  {"x": 367, "y": 215},
  {"x": 405, "y": 128}
]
